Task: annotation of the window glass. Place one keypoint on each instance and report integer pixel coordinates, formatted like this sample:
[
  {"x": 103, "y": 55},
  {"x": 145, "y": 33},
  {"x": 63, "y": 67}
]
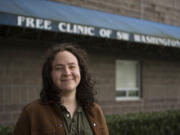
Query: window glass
[{"x": 127, "y": 79}]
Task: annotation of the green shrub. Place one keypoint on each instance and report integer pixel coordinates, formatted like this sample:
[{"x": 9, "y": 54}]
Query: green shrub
[
  {"x": 159, "y": 123},
  {"x": 6, "y": 130}
]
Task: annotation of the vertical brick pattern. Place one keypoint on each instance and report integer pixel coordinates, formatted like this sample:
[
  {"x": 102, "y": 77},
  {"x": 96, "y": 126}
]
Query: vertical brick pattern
[
  {"x": 160, "y": 85},
  {"x": 163, "y": 11},
  {"x": 102, "y": 69},
  {"x": 20, "y": 82}
]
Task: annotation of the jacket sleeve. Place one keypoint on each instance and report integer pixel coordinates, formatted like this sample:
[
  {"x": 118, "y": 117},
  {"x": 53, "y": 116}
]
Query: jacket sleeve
[
  {"x": 23, "y": 124},
  {"x": 97, "y": 120},
  {"x": 103, "y": 121}
]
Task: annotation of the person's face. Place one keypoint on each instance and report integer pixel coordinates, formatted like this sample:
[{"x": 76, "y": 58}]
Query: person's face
[{"x": 65, "y": 71}]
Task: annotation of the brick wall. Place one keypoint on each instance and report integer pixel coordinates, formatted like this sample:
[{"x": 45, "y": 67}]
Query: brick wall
[
  {"x": 160, "y": 84},
  {"x": 20, "y": 80},
  {"x": 163, "y": 11},
  {"x": 21, "y": 61}
]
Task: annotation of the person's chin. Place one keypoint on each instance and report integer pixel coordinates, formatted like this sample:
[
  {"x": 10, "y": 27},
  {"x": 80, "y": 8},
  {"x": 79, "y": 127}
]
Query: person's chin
[{"x": 69, "y": 89}]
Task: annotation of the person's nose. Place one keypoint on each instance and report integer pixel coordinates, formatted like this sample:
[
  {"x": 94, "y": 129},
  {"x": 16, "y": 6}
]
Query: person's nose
[{"x": 67, "y": 71}]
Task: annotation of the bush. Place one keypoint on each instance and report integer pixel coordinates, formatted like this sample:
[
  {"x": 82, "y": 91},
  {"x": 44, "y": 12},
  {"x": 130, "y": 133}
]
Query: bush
[
  {"x": 157, "y": 123},
  {"x": 6, "y": 130}
]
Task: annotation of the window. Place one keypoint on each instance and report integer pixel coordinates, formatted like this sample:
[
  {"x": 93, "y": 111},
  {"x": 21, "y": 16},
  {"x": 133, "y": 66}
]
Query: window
[{"x": 127, "y": 79}]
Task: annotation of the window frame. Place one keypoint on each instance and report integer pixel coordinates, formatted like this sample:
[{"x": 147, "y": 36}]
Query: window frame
[{"x": 126, "y": 90}]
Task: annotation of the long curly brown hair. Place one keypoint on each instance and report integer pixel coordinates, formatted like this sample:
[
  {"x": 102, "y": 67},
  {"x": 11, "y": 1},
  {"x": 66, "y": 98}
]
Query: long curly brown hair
[{"x": 85, "y": 90}]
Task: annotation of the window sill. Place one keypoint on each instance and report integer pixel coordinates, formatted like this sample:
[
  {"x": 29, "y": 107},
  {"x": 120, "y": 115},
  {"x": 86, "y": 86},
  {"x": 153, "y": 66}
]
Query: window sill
[{"x": 128, "y": 99}]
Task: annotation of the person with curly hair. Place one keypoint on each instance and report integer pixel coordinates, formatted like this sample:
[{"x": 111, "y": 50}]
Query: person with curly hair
[{"x": 67, "y": 104}]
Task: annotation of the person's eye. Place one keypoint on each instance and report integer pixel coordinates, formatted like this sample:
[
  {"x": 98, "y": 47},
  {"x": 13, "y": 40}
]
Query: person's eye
[
  {"x": 72, "y": 67},
  {"x": 58, "y": 68}
]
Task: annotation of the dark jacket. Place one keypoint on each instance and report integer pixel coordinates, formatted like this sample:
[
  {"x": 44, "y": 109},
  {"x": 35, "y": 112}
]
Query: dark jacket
[{"x": 38, "y": 118}]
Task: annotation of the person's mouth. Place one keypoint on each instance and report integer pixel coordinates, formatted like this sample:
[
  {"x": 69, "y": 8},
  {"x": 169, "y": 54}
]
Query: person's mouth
[{"x": 66, "y": 80}]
